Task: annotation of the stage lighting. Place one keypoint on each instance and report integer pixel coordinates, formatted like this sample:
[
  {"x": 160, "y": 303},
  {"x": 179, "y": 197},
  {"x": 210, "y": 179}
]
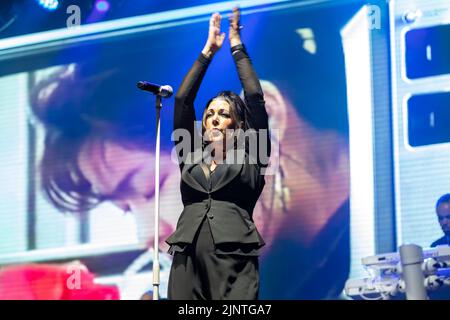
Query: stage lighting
[
  {"x": 49, "y": 5},
  {"x": 102, "y": 5}
]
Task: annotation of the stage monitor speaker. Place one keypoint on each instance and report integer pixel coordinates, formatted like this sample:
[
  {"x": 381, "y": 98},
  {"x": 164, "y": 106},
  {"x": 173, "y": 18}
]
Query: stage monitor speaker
[
  {"x": 429, "y": 119},
  {"x": 427, "y": 51}
]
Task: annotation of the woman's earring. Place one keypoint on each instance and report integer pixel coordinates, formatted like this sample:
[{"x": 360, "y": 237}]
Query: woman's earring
[{"x": 281, "y": 190}]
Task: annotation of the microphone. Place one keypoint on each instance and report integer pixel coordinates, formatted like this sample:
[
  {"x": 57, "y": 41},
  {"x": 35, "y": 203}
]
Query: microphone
[{"x": 163, "y": 91}]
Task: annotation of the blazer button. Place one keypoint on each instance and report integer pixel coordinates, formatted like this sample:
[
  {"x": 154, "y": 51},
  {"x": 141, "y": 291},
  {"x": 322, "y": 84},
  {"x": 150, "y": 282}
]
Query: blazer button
[{"x": 210, "y": 216}]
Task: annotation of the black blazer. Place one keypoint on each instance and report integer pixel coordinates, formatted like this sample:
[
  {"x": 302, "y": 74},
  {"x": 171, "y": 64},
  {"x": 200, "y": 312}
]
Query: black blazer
[{"x": 228, "y": 202}]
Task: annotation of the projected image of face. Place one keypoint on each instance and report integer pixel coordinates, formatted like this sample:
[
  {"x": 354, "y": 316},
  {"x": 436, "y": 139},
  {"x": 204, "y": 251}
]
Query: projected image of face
[
  {"x": 312, "y": 180},
  {"x": 95, "y": 154},
  {"x": 124, "y": 174}
]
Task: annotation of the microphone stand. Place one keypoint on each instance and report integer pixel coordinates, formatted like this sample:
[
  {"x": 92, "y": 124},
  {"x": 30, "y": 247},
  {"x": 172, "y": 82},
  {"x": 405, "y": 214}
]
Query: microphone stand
[
  {"x": 159, "y": 92},
  {"x": 411, "y": 257},
  {"x": 156, "y": 267}
]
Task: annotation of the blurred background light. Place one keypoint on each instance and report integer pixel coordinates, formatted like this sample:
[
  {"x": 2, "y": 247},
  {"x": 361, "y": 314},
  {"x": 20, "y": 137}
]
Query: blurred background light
[
  {"x": 102, "y": 5},
  {"x": 49, "y": 5}
]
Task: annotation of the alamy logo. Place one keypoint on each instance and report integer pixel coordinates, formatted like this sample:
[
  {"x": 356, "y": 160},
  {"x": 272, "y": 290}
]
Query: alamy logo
[
  {"x": 374, "y": 15},
  {"x": 74, "y": 20},
  {"x": 73, "y": 282}
]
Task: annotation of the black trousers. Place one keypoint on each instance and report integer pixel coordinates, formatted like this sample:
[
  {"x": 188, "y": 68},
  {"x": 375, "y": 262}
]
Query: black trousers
[{"x": 199, "y": 273}]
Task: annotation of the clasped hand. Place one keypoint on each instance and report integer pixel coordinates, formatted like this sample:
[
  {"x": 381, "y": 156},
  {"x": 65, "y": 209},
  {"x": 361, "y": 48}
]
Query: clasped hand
[{"x": 216, "y": 38}]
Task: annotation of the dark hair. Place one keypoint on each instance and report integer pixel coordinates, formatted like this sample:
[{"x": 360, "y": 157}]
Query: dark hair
[
  {"x": 443, "y": 199},
  {"x": 238, "y": 112},
  {"x": 61, "y": 179},
  {"x": 74, "y": 107},
  {"x": 238, "y": 109}
]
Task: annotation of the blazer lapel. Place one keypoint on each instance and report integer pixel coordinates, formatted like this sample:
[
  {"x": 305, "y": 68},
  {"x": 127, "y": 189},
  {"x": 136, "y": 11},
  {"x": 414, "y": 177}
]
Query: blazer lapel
[
  {"x": 233, "y": 162},
  {"x": 186, "y": 175}
]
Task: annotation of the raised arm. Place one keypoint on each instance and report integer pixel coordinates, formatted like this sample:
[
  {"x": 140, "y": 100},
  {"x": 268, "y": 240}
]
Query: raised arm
[
  {"x": 249, "y": 80},
  {"x": 184, "y": 115},
  {"x": 254, "y": 98}
]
